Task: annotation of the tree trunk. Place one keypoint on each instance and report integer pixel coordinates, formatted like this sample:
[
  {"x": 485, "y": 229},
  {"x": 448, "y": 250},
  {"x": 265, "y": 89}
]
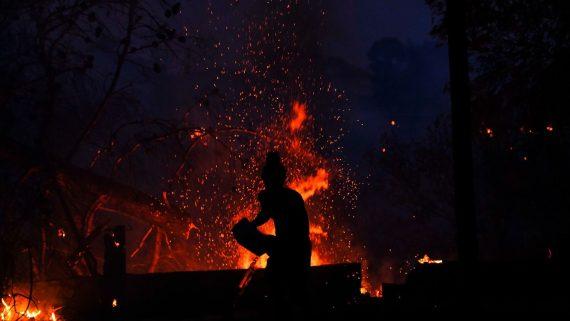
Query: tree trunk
[{"x": 461, "y": 125}]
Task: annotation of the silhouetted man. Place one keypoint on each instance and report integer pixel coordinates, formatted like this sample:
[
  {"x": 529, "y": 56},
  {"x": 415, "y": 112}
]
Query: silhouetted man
[{"x": 290, "y": 250}]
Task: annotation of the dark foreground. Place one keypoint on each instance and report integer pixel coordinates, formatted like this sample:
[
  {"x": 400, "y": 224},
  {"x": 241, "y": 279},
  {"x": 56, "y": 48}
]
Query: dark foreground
[{"x": 519, "y": 289}]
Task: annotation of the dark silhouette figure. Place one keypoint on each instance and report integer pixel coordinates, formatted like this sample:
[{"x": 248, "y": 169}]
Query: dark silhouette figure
[{"x": 290, "y": 249}]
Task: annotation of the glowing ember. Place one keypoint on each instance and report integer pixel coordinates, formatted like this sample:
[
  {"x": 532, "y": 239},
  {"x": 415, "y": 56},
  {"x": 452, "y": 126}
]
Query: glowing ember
[
  {"x": 377, "y": 293},
  {"x": 427, "y": 260}
]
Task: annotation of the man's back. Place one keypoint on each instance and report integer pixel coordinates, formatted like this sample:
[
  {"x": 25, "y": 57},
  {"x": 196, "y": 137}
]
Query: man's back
[{"x": 287, "y": 209}]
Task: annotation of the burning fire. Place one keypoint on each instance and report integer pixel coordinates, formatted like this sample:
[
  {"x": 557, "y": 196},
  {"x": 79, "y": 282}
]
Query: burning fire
[
  {"x": 427, "y": 260},
  {"x": 307, "y": 186},
  {"x": 312, "y": 184},
  {"x": 230, "y": 137},
  {"x": 223, "y": 180},
  {"x": 221, "y": 194},
  {"x": 24, "y": 309}
]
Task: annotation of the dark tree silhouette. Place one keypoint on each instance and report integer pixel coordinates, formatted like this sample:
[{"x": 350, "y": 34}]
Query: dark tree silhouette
[
  {"x": 518, "y": 52},
  {"x": 68, "y": 68}
]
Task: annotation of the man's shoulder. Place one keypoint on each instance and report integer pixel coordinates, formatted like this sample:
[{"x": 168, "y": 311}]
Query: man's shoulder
[
  {"x": 293, "y": 193},
  {"x": 288, "y": 192}
]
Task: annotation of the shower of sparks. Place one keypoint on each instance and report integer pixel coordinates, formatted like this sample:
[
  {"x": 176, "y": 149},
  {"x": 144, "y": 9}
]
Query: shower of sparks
[{"x": 266, "y": 92}]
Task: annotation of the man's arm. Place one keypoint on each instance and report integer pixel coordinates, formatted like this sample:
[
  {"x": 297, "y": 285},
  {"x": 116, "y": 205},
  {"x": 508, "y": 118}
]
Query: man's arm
[{"x": 261, "y": 218}]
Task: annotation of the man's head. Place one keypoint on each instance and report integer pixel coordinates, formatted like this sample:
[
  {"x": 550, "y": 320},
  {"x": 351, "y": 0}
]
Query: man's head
[{"x": 273, "y": 172}]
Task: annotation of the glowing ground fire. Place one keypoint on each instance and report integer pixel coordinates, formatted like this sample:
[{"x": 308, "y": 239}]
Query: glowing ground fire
[
  {"x": 24, "y": 309},
  {"x": 427, "y": 260}
]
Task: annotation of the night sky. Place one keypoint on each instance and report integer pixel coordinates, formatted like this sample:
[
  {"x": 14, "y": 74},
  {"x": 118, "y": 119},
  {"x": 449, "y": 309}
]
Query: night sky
[
  {"x": 355, "y": 26},
  {"x": 351, "y": 28}
]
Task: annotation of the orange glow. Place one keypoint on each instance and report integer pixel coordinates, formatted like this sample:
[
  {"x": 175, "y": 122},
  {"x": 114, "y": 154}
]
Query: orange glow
[
  {"x": 309, "y": 186},
  {"x": 296, "y": 143},
  {"x": 299, "y": 116},
  {"x": 317, "y": 231},
  {"x": 21, "y": 309},
  {"x": 371, "y": 292},
  {"x": 195, "y": 134},
  {"x": 427, "y": 260},
  {"x": 366, "y": 287},
  {"x": 247, "y": 258},
  {"x": 218, "y": 209},
  {"x": 316, "y": 259},
  {"x": 191, "y": 227}
]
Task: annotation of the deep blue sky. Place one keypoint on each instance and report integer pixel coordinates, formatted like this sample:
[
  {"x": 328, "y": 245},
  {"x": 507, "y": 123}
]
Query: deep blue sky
[
  {"x": 356, "y": 24},
  {"x": 414, "y": 95},
  {"x": 352, "y": 27}
]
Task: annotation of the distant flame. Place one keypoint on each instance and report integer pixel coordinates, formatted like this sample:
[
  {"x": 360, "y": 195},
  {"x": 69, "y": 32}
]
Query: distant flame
[
  {"x": 427, "y": 260},
  {"x": 376, "y": 293}
]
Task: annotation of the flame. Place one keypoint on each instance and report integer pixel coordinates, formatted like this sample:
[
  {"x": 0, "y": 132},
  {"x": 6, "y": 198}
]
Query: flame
[
  {"x": 247, "y": 258},
  {"x": 205, "y": 191},
  {"x": 13, "y": 310},
  {"x": 317, "y": 231},
  {"x": 299, "y": 116},
  {"x": 309, "y": 186},
  {"x": 366, "y": 286},
  {"x": 366, "y": 290},
  {"x": 427, "y": 260}
]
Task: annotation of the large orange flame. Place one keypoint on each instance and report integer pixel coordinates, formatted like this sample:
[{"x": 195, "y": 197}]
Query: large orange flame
[
  {"x": 309, "y": 186},
  {"x": 306, "y": 186}
]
